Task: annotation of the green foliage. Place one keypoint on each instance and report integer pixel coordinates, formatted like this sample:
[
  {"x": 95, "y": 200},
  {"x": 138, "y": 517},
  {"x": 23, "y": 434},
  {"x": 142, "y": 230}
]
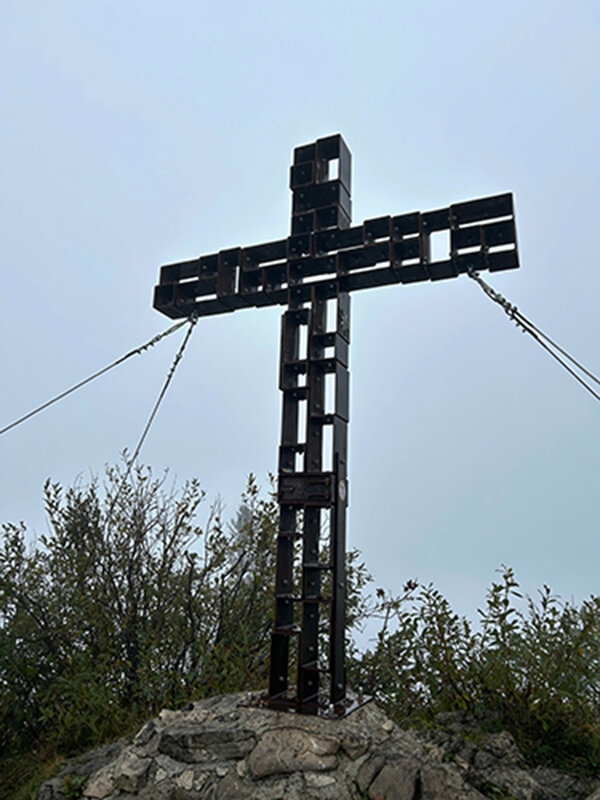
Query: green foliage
[
  {"x": 491, "y": 791},
  {"x": 536, "y": 670},
  {"x": 73, "y": 786},
  {"x": 127, "y": 605},
  {"x": 21, "y": 775}
]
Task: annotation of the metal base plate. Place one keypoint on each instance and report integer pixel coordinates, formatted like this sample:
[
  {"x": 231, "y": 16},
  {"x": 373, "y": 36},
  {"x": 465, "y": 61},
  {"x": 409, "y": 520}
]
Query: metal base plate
[{"x": 321, "y": 708}]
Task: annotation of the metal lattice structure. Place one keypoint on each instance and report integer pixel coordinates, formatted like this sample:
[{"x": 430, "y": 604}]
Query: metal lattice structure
[{"x": 312, "y": 272}]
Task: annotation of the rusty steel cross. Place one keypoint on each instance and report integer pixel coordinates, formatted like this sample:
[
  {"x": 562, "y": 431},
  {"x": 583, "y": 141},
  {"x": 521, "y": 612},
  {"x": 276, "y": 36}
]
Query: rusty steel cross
[{"x": 312, "y": 272}]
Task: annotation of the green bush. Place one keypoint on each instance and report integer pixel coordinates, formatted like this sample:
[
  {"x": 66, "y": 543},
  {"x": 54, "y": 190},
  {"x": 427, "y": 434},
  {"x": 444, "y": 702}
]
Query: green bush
[
  {"x": 127, "y": 605},
  {"x": 536, "y": 670}
]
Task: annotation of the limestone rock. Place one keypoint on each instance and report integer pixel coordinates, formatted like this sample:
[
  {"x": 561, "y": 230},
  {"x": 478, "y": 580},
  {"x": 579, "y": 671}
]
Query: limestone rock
[
  {"x": 445, "y": 781},
  {"x": 355, "y": 745},
  {"x": 130, "y": 772},
  {"x": 397, "y": 780},
  {"x": 92, "y": 764},
  {"x": 368, "y": 770},
  {"x": 494, "y": 763},
  {"x": 194, "y": 743},
  {"x": 224, "y": 748},
  {"x": 101, "y": 784},
  {"x": 292, "y": 750}
]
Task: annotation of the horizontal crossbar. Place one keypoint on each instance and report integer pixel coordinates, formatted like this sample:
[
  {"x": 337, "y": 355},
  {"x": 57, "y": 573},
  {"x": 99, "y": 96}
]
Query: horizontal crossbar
[{"x": 481, "y": 235}]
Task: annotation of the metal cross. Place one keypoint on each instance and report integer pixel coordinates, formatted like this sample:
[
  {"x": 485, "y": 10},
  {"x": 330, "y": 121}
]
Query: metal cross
[{"x": 313, "y": 271}]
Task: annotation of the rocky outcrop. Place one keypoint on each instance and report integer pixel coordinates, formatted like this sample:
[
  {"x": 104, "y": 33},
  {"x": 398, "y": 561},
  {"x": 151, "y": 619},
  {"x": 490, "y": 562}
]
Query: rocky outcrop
[
  {"x": 493, "y": 763},
  {"x": 227, "y": 749}
]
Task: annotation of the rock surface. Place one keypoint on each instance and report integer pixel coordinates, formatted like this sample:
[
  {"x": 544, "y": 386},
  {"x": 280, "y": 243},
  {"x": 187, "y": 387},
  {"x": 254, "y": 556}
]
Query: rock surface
[{"x": 224, "y": 749}]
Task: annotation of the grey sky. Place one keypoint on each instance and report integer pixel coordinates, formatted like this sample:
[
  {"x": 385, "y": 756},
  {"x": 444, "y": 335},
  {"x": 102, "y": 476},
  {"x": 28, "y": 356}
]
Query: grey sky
[{"x": 140, "y": 133}]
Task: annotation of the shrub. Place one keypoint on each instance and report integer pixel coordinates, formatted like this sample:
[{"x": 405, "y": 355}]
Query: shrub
[
  {"x": 537, "y": 670},
  {"x": 127, "y": 605}
]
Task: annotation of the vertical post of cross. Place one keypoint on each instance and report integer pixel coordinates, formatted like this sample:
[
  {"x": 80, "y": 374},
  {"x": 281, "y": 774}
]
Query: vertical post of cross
[{"x": 320, "y": 180}]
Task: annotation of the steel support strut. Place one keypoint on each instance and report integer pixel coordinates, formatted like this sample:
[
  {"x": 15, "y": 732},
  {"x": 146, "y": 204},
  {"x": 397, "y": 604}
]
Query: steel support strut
[
  {"x": 313, "y": 462},
  {"x": 313, "y": 497}
]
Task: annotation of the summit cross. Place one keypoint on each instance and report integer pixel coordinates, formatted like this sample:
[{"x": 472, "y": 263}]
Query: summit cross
[{"x": 312, "y": 272}]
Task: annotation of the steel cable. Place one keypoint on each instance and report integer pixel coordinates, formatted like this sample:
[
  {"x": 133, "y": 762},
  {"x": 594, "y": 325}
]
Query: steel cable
[
  {"x": 179, "y": 355},
  {"x": 528, "y": 327},
  {"x": 163, "y": 391},
  {"x": 137, "y": 351},
  {"x": 565, "y": 365}
]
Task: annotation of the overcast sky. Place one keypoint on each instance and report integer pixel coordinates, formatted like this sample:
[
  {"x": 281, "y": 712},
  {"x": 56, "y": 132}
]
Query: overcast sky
[{"x": 140, "y": 133}]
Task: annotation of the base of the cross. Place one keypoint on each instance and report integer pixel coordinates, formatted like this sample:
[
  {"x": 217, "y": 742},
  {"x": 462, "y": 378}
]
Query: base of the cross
[{"x": 319, "y": 708}]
